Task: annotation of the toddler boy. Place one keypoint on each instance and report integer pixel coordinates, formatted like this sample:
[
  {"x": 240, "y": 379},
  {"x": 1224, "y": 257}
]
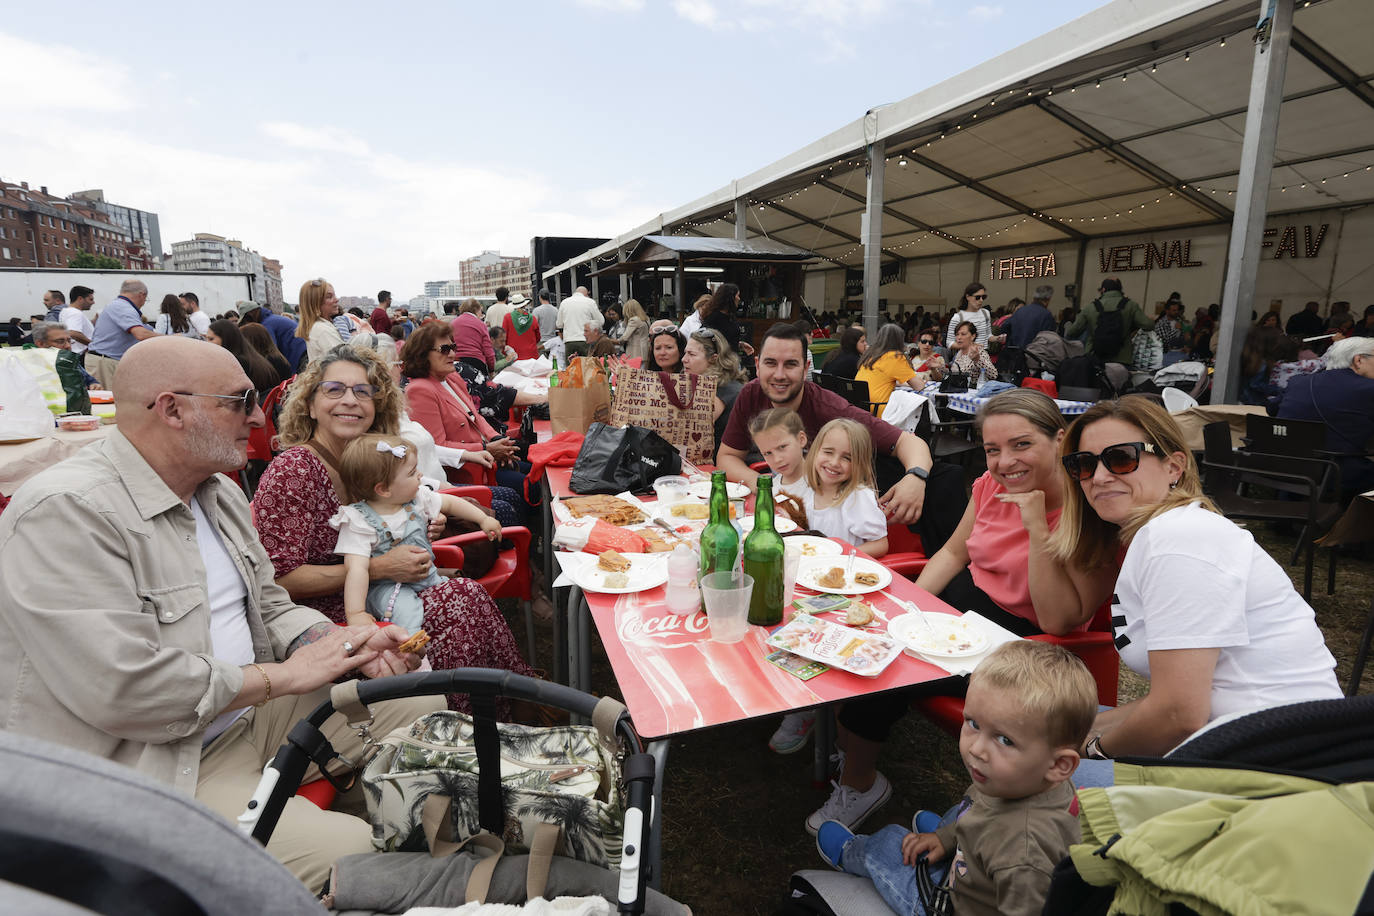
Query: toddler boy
[{"x": 1029, "y": 708}]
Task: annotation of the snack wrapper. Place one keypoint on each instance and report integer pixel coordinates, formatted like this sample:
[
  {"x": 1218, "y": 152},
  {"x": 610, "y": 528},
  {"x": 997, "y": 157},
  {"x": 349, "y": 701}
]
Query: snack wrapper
[{"x": 852, "y": 650}]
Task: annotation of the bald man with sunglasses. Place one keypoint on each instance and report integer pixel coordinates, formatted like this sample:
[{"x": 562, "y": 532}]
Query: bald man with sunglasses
[{"x": 170, "y": 649}]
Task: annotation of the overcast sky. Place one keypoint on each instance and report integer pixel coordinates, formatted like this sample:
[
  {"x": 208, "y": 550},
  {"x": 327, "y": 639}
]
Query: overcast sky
[{"x": 379, "y": 144}]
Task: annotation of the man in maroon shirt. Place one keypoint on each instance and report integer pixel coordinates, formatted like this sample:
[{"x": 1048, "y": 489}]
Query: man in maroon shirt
[{"x": 930, "y": 497}]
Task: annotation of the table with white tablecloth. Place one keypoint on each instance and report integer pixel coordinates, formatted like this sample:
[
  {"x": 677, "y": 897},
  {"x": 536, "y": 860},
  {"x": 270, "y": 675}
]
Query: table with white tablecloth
[
  {"x": 969, "y": 402},
  {"x": 22, "y": 459}
]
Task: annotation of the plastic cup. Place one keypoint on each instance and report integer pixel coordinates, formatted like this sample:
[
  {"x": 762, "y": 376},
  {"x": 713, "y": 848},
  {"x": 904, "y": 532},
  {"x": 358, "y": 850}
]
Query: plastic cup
[
  {"x": 670, "y": 490},
  {"x": 727, "y": 605},
  {"x": 791, "y": 563}
]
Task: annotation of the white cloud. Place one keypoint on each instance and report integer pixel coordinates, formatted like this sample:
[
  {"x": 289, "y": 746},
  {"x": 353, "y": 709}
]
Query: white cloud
[
  {"x": 614, "y": 6},
  {"x": 47, "y": 78},
  {"x": 985, "y": 13},
  {"x": 698, "y": 12}
]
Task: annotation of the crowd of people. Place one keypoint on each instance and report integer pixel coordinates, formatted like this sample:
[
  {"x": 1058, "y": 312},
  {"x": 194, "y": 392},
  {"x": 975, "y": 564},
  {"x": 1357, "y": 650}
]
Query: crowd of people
[{"x": 211, "y": 627}]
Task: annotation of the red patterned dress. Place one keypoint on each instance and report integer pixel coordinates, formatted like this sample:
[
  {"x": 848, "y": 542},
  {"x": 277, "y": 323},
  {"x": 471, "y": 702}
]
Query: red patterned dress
[{"x": 291, "y": 510}]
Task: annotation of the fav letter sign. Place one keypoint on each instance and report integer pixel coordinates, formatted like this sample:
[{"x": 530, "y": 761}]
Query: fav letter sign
[
  {"x": 1288, "y": 241},
  {"x": 1120, "y": 258},
  {"x": 1026, "y": 268}
]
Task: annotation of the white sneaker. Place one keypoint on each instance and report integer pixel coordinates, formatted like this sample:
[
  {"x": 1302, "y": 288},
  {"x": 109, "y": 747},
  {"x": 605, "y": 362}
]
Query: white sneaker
[
  {"x": 793, "y": 733},
  {"x": 849, "y": 806}
]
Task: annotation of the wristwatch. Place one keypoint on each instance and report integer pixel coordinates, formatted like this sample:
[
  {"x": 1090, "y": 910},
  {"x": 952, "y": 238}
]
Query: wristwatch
[
  {"x": 919, "y": 473},
  {"x": 1093, "y": 749}
]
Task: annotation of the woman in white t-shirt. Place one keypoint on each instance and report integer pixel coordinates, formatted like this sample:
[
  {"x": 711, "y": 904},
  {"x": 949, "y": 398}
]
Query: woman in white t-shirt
[
  {"x": 1199, "y": 608},
  {"x": 973, "y": 310}
]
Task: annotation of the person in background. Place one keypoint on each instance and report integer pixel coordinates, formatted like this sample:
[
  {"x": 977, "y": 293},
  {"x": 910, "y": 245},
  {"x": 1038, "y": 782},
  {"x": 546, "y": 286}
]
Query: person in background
[
  {"x": 853, "y": 345},
  {"x": 1133, "y": 319},
  {"x": 226, "y": 334},
  {"x": 505, "y": 354},
  {"x": 523, "y": 332},
  {"x": 172, "y": 319},
  {"x": 75, "y": 318},
  {"x": 707, "y": 353},
  {"x": 969, "y": 358},
  {"x": 1342, "y": 398},
  {"x": 573, "y": 315},
  {"x": 634, "y": 341},
  {"x": 601, "y": 345},
  {"x": 318, "y": 308},
  {"x": 260, "y": 339},
  {"x": 693, "y": 320},
  {"x": 200, "y": 321},
  {"x": 54, "y": 302},
  {"x": 121, "y": 326},
  {"x": 1307, "y": 323},
  {"x": 720, "y": 314},
  {"x": 667, "y": 345},
  {"x": 381, "y": 317},
  {"x": 885, "y": 366},
  {"x": 973, "y": 309},
  {"x": 1366, "y": 326},
  {"x": 497, "y": 311},
  {"x": 1028, "y": 710},
  {"x": 614, "y": 324},
  {"x": 1031, "y": 318},
  {"x": 546, "y": 313},
  {"x": 76, "y": 381},
  {"x": 283, "y": 331},
  {"x": 928, "y": 359}
]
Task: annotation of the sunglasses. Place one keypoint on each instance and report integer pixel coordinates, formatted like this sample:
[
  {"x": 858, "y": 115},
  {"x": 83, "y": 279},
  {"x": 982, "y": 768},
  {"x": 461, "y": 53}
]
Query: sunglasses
[
  {"x": 1119, "y": 459},
  {"x": 984, "y": 296},
  {"x": 666, "y": 329},
  {"x": 247, "y": 402},
  {"x": 446, "y": 349},
  {"x": 335, "y": 390},
  {"x": 927, "y": 342}
]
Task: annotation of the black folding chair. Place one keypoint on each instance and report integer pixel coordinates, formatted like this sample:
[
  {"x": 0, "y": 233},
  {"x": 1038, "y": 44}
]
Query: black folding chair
[{"x": 1312, "y": 485}]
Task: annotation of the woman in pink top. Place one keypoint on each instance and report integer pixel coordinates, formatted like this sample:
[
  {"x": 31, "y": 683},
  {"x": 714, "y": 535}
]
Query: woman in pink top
[{"x": 996, "y": 563}]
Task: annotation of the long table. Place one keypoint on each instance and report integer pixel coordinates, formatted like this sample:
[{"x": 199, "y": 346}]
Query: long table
[
  {"x": 968, "y": 402},
  {"x": 675, "y": 680}
]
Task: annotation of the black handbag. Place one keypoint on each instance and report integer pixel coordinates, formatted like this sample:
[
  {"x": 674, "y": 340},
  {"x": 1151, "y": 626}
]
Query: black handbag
[
  {"x": 955, "y": 383},
  {"x": 614, "y": 459}
]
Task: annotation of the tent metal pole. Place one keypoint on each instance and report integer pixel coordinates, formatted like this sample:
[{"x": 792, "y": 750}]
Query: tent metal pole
[
  {"x": 741, "y": 219},
  {"x": 1252, "y": 193},
  {"x": 872, "y": 235},
  {"x": 624, "y": 278}
]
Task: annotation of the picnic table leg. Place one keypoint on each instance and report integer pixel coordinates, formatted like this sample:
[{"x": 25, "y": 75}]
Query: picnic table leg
[
  {"x": 560, "y": 672},
  {"x": 824, "y": 745},
  {"x": 659, "y": 751}
]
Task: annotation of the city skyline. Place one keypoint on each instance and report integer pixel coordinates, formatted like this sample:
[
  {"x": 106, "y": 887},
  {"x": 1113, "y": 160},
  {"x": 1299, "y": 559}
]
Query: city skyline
[{"x": 379, "y": 153}]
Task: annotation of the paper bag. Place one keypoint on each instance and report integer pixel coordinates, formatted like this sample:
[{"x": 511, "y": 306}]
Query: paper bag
[
  {"x": 24, "y": 407},
  {"x": 578, "y": 408}
]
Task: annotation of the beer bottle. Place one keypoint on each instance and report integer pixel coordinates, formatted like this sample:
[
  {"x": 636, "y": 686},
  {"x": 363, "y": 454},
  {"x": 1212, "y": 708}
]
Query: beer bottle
[
  {"x": 719, "y": 539},
  {"x": 553, "y": 378},
  {"x": 763, "y": 556}
]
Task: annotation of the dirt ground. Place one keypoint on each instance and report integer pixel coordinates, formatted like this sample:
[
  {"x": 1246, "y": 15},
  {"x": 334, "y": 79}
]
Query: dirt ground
[{"x": 733, "y": 811}]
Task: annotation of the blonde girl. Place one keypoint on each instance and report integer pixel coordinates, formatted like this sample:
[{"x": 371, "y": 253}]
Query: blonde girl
[
  {"x": 381, "y": 475},
  {"x": 843, "y": 499},
  {"x": 318, "y": 306}
]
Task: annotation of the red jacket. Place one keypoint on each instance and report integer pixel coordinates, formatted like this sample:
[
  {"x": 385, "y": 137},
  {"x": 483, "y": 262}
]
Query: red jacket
[{"x": 433, "y": 406}]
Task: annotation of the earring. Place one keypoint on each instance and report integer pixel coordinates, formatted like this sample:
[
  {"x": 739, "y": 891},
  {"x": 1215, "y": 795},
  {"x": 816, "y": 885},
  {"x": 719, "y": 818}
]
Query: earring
[{"x": 1173, "y": 484}]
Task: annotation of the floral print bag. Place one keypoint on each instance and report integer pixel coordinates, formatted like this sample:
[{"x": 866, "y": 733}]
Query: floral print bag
[{"x": 562, "y": 775}]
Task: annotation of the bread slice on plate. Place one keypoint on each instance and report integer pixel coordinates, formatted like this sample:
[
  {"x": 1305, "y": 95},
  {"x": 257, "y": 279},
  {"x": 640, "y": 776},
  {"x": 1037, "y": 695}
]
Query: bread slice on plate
[
  {"x": 833, "y": 578},
  {"x": 613, "y": 561}
]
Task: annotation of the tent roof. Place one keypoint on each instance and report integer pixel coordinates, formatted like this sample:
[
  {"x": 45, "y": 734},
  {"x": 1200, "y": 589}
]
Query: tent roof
[
  {"x": 1042, "y": 145},
  {"x": 661, "y": 250}
]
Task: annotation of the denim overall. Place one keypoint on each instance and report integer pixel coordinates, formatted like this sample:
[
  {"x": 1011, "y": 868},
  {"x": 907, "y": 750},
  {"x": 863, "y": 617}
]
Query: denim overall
[{"x": 399, "y": 602}]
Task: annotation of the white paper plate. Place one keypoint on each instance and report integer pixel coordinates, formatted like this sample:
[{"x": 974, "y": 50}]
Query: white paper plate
[
  {"x": 952, "y": 636},
  {"x": 781, "y": 524},
  {"x": 819, "y": 547},
  {"x": 812, "y": 568},
  {"x": 702, "y": 490},
  {"x": 646, "y": 571}
]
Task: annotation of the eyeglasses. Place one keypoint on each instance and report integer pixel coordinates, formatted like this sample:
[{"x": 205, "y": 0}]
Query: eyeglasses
[
  {"x": 247, "y": 401},
  {"x": 446, "y": 349},
  {"x": 984, "y": 296},
  {"x": 335, "y": 390},
  {"x": 1120, "y": 459},
  {"x": 665, "y": 329}
]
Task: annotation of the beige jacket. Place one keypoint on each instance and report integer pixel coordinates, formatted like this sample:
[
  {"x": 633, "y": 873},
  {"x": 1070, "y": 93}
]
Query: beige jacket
[{"x": 104, "y": 618}]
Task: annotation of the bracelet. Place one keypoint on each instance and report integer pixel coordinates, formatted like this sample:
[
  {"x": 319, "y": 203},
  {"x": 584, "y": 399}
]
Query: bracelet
[
  {"x": 266, "y": 680},
  {"x": 1094, "y": 750}
]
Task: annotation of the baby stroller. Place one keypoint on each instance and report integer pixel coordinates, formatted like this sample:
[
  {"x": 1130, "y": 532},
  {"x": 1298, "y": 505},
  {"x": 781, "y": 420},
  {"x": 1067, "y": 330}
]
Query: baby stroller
[
  {"x": 83, "y": 835},
  {"x": 306, "y": 744}
]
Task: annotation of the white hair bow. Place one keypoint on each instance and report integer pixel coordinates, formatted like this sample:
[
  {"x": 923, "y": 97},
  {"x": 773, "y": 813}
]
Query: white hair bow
[{"x": 397, "y": 451}]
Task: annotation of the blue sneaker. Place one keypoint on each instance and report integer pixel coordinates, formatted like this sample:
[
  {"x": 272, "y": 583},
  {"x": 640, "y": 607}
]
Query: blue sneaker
[
  {"x": 925, "y": 822},
  {"x": 831, "y": 839}
]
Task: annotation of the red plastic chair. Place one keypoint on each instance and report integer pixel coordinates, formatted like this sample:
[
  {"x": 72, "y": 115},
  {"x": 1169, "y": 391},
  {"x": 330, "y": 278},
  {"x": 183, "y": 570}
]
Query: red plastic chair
[
  {"x": 905, "y": 553},
  {"x": 260, "y": 440},
  {"x": 510, "y": 576},
  {"x": 1095, "y": 646}
]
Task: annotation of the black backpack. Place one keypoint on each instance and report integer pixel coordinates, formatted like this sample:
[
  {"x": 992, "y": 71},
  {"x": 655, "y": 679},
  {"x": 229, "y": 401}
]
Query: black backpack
[{"x": 1109, "y": 333}]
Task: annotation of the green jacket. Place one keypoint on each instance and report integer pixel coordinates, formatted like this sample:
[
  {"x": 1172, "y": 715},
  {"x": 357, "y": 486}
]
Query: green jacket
[
  {"x": 1226, "y": 841},
  {"x": 1132, "y": 319}
]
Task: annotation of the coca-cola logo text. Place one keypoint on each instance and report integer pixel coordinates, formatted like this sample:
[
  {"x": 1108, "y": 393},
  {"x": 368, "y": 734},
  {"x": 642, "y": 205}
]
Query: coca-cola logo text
[{"x": 666, "y": 631}]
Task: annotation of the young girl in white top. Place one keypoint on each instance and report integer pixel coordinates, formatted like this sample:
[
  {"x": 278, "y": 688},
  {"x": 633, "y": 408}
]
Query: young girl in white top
[
  {"x": 382, "y": 473},
  {"x": 843, "y": 498}
]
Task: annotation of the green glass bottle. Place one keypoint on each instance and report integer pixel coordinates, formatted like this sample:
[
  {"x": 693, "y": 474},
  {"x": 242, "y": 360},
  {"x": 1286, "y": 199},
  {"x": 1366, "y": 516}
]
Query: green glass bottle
[
  {"x": 763, "y": 556},
  {"x": 553, "y": 379},
  {"x": 719, "y": 539}
]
